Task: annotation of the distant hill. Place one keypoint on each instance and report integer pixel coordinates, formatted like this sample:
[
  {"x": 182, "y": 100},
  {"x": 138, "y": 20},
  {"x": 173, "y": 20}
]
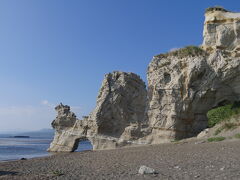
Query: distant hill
[{"x": 43, "y": 133}]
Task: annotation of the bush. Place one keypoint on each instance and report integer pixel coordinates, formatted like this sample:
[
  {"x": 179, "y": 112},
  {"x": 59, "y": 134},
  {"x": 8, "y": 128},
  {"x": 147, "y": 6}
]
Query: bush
[
  {"x": 214, "y": 139},
  {"x": 192, "y": 51},
  {"x": 222, "y": 113}
]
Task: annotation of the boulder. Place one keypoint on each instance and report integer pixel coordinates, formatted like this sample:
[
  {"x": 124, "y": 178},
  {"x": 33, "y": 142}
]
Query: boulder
[
  {"x": 146, "y": 170},
  {"x": 203, "y": 133}
]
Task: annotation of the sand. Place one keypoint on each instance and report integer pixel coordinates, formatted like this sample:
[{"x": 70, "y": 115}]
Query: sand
[{"x": 185, "y": 160}]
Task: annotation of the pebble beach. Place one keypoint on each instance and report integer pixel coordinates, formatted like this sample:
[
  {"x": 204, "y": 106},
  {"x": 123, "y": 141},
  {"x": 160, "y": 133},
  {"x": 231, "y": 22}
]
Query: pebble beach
[{"x": 180, "y": 160}]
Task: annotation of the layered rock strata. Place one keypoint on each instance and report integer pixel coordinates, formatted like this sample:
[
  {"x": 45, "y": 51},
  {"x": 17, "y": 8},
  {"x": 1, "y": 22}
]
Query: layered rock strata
[
  {"x": 221, "y": 29},
  {"x": 182, "y": 86},
  {"x": 181, "y": 91}
]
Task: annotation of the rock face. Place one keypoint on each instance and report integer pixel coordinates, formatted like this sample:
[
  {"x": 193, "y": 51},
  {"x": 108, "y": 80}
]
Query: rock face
[
  {"x": 68, "y": 130},
  {"x": 221, "y": 29},
  {"x": 182, "y": 86},
  {"x": 116, "y": 121},
  {"x": 181, "y": 91}
]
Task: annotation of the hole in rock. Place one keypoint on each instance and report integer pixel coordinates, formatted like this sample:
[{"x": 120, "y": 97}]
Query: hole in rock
[
  {"x": 167, "y": 77},
  {"x": 82, "y": 145}
]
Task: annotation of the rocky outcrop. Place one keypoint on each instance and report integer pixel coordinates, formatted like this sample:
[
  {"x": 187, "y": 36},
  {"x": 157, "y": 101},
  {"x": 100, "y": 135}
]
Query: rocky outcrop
[
  {"x": 183, "y": 86},
  {"x": 68, "y": 130},
  {"x": 117, "y": 120},
  {"x": 221, "y": 29},
  {"x": 181, "y": 91}
]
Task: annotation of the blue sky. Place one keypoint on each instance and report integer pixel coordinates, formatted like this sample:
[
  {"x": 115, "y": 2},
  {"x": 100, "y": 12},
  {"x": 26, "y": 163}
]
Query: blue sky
[{"x": 59, "y": 50}]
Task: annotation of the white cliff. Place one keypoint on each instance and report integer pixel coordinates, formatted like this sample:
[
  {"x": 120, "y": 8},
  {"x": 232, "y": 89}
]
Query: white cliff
[
  {"x": 116, "y": 121},
  {"x": 183, "y": 86},
  {"x": 221, "y": 29}
]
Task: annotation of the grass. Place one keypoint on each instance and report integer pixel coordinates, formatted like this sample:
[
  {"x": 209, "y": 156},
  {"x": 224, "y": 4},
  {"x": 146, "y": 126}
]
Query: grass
[
  {"x": 223, "y": 113},
  {"x": 226, "y": 126},
  {"x": 188, "y": 51},
  {"x": 57, "y": 173},
  {"x": 215, "y": 139},
  {"x": 218, "y": 131},
  {"x": 175, "y": 140},
  {"x": 237, "y": 136},
  {"x": 229, "y": 125}
]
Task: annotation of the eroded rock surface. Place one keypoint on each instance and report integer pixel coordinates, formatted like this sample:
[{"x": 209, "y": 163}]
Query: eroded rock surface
[
  {"x": 182, "y": 87},
  {"x": 181, "y": 91},
  {"x": 116, "y": 121},
  {"x": 68, "y": 130},
  {"x": 221, "y": 29}
]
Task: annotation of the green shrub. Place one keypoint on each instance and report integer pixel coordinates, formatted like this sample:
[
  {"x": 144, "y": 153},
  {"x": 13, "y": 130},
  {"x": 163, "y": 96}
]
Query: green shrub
[
  {"x": 184, "y": 52},
  {"x": 237, "y": 136},
  {"x": 222, "y": 113},
  {"x": 214, "y": 139},
  {"x": 175, "y": 140}
]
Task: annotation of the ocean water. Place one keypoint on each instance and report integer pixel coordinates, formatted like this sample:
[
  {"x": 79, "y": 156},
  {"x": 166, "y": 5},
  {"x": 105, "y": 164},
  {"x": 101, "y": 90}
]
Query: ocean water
[{"x": 16, "y": 148}]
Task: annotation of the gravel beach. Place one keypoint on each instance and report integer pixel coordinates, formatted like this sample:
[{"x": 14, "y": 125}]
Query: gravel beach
[{"x": 184, "y": 160}]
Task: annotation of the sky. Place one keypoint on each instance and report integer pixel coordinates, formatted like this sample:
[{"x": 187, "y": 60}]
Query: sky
[{"x": 54, "y": 51}]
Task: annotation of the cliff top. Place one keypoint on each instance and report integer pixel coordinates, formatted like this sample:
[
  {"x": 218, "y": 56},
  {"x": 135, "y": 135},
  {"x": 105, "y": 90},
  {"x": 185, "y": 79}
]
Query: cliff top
[
  {"x": 220, "y": 15},
  {"x": 216, "y": 8}
]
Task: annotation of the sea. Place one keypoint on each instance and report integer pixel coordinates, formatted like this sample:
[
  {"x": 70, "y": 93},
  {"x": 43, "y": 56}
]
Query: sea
[{"x": 15, "y": 148}]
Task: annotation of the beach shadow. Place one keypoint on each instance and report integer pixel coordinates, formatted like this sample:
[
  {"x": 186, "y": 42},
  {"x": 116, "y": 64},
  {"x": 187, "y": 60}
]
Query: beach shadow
[{"x": 2, "y": 173}]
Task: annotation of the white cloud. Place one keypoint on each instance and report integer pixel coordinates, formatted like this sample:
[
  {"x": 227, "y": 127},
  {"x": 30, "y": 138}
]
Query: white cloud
[
  {"x": 44, "y": 102},
  {"x": 47, "y": 103}
]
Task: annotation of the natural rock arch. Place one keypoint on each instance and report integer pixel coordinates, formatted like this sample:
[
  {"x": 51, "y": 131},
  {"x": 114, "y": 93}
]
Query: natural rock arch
[{"x": 78, "y": 143}]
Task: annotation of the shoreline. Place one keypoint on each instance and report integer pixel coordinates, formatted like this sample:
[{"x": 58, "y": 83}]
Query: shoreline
[
  {"x": 24, "y": 158},
  {"x": 181, "y": 160}
]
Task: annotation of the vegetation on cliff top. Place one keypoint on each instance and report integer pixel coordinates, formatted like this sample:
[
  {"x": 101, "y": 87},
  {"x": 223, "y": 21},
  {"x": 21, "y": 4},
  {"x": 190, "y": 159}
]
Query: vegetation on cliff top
[
  {"x": 223, "y": 113},
  {"x": 216, "y": 8},
  {"x": 188, "y": 51}
]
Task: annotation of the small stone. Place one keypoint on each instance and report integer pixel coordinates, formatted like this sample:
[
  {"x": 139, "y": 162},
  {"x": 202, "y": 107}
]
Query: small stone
[
  {"x": 146, "y": 170},
  {"x": 200, "y": 142},
  {"x": 221, "y": 169},
  {"x": 203, "y": 133}
]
